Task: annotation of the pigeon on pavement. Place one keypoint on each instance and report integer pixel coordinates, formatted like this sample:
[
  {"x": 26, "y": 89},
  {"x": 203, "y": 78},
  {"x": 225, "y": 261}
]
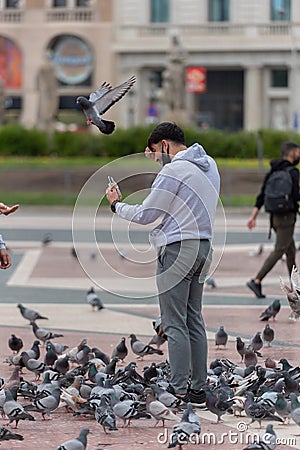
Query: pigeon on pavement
[
  {"x": 100, "y": 101},
  {"x": 120, "y": 351},
  {"x": 141, "y": 349},
  {"x": 182, "y": 431},
  {"x": 271, "y": 311},
  {"x": 221, "y": 337},
  {"x": 256, "y": 342},
  {"x": 15, "y": 343},
  {"x": 30, "y": 314},
  {"x": 43, "y": 334},
  {"x": 157, "y": 409},
  {"x": 104, "y": 414},
  {"x": 93, "y": 299},
  {"x": 7, "y": 435},
  {"x": 266, "y": 441},
  {"x": 268, "y": 334},
  {"x": 14, "y": 410},
  {"x": 293, "y": 294},
  {"x": 78, "y": 443}
]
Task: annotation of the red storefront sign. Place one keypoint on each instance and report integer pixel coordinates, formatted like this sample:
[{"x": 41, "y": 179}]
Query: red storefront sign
[{"x": 195, "y": 79}]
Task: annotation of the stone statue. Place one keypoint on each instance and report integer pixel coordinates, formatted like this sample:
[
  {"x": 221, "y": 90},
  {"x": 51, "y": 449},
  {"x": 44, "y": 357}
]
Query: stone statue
[
  {"x": 48, "y": 98},
  {"x": 173, "y": 87}
]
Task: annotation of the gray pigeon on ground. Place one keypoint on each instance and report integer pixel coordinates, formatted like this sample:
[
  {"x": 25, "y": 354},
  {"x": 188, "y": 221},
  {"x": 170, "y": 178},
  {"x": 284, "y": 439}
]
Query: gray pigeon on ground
[
  {"x": 14, "y": 410},
  {"x": 120, "y": 351},
  {"x": 271, "y": 311},
  {"x": 104, "y": 414},
  {"x": 128, "y": 410},
  {"x": 30, "y": 314},
  {"x": 43, "y": 334},
  {"x": 157, "y": 409},
  {"x": 184, "y": 431},
  {"x": 94, "y": 300},
  {"x": 141, "y": 349},
  {"x": 295, "y": 408},
  {"x": 266, "y": 441},
  {"x": 221, "y": 337},
  {"x": 7, "y": 435},
  {"x": 78, "y": 443},
  {"x": 45, "y": 405},
  {"x": 240, "y": 347},
  {"x": 100, "y": 101},
  {"x": 257, "y": 342},
  {"x": 268, "y": 334}
]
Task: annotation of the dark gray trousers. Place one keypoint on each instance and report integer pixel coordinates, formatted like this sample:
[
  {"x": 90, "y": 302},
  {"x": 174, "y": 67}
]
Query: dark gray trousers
[
  {"x": 181, "y": 271},
  {"x": 283, "y": 226}
]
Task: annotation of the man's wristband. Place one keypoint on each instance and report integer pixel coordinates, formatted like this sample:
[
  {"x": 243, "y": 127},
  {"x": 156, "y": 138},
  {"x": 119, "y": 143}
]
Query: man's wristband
[{"x": 113, "y": 205}]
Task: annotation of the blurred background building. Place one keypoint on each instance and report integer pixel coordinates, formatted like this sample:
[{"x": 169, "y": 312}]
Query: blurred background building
[{"x": 240, "y": 58}]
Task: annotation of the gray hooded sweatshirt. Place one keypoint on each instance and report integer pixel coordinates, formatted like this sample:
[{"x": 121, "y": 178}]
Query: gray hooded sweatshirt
[{"x": 185, "y": 193}]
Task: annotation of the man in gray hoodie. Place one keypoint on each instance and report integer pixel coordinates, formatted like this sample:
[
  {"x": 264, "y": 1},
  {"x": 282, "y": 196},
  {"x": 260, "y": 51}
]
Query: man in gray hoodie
[{"x": 185, "y": 193}]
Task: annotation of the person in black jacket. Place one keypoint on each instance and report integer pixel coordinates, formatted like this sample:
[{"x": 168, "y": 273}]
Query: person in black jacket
[{"x": 282, "y": 224}]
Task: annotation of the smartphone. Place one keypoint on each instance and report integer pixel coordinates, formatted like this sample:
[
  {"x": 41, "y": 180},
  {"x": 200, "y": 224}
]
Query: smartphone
[{"x": 112, "y": 182}]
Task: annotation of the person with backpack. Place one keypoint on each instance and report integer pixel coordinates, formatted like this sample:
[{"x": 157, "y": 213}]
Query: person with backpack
[{"x": 280, "y": 195}]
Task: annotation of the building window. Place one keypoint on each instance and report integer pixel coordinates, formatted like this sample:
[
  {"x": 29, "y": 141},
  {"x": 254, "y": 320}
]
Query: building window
[
  {"x": 59, "y": 3},
  {"x": 12, "y": 3},
  {"x": 159, "y": 11},
  {"x": 281, "y": 10},
  {"x": 218, "y": 11},
  {"x": 82, "y": 3},
  {"x": 279, "y": 78}
]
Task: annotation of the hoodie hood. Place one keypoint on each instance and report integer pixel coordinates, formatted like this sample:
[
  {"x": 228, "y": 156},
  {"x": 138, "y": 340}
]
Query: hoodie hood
[
  {"x": 278, "y": 164},
  {"x": 195, "y": 154}
]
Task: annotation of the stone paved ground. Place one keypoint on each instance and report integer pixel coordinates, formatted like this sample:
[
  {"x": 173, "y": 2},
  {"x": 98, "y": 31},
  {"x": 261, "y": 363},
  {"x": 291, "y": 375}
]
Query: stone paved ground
[{"x": 230, "y": 304}]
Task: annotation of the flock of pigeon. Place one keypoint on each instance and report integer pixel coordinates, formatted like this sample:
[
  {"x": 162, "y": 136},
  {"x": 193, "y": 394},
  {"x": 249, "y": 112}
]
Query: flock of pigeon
[{"x": 106, "y": 389}]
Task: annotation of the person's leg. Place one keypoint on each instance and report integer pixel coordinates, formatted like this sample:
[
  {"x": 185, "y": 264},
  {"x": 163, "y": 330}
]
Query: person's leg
[
  {"x": 173, "y": 298},
  {"x": 198, "y": 339},
  {"x": 196, "y": 326},
  {"x": 284, "y": 228}
]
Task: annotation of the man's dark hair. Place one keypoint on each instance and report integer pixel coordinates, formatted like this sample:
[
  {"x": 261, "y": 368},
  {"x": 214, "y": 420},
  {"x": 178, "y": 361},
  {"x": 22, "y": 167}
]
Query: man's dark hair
[
  {"x": 166, "y": 130},
  {"x": 287, "y": 147}
]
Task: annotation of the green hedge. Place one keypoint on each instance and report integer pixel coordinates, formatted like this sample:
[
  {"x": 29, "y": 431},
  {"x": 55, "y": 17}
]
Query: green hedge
[{"x": 18, "y": 141}]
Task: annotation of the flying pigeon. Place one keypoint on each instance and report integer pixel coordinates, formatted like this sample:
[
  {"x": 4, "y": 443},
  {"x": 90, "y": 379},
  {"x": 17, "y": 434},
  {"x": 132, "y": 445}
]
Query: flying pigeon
[
  {"x": 271, "y": 311},
  {"x": 93, "y": 299},
  {"x": 293, "y": 294},
  {"x": 141, "y": 349},
  {"x": 30, "y": 314},
  {"x": 221, "y": 337},
  {"x": 100, "y": 101},
  {"x": 78, "y": 443}
]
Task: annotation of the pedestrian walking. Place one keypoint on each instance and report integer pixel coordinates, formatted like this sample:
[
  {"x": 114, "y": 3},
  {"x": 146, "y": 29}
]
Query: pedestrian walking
[{"x": 280, "y": 195}]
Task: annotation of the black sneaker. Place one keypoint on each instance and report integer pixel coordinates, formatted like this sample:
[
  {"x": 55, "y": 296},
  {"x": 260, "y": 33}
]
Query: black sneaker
[
  {"x": 256, "y": 288},
  {"x": 198, "y": 398},
  {"x": 184, "y": 397}
]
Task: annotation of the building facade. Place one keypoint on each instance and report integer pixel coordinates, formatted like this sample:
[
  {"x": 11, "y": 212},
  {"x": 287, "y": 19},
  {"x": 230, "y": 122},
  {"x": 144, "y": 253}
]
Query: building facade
[{"x": 248, "y": 50}]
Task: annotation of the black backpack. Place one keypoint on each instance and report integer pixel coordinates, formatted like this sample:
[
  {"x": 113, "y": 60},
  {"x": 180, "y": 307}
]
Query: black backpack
[{"x": 278, "y": 190}]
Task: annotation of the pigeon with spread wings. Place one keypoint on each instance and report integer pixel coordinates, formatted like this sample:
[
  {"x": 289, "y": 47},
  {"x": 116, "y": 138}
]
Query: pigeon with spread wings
[
  {"x": 100, "y": 101},
  {"x": 293, "y": 294}
]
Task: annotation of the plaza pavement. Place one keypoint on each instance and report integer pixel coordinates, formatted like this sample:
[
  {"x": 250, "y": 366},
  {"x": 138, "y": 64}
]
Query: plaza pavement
[{"x": 51, "y": 280}]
